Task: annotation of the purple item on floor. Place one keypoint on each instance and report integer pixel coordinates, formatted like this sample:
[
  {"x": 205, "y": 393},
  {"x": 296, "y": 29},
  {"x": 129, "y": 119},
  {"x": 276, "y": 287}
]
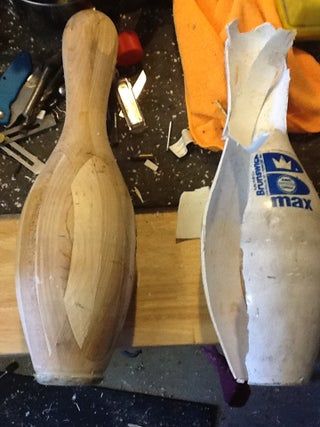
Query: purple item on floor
[{"x": 235, "y": 394}]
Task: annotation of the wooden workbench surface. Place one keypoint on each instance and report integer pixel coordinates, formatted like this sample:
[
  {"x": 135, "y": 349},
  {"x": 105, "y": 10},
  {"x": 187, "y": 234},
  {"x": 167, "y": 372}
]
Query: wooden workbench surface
[{"x": 168, "y": 306}]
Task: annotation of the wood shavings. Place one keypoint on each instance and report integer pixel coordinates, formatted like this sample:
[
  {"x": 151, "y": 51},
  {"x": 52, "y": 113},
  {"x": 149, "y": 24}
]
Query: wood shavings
[
  {"x": 138, "y": 194},
  {"x": 142, "y": 157},
  {"x": 218, "y": 104},
  {"x": 169, "y": 135},
  {"x": 149, "y": 164},
  {"x": 41, "y": 114}
]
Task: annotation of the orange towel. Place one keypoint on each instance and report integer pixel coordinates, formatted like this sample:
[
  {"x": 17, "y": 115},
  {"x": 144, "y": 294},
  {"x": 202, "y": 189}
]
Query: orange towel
[{"x": 200, "y": 27}]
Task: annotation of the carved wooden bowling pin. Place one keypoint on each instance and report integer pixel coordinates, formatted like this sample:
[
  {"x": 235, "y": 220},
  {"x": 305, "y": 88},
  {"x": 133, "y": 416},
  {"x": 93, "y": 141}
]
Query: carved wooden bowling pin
[{"x": 76, "y": 248}]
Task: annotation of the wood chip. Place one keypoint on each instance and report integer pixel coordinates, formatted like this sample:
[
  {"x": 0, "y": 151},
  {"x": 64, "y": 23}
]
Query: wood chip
[{"x": 149, "y": 164}]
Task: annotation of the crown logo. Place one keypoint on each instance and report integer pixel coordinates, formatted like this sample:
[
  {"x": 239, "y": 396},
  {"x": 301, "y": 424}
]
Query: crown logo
[{"x": 282, "y": 163}]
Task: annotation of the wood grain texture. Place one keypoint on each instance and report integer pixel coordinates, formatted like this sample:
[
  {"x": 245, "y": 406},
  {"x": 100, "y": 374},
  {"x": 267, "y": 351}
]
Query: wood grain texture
[
  {"x": 76, "y": 246},
  {"x": 168, "y": 307}
]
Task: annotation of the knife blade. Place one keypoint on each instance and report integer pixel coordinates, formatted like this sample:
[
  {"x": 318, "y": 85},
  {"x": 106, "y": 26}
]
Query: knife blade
[{"x": 21, "y": 102}]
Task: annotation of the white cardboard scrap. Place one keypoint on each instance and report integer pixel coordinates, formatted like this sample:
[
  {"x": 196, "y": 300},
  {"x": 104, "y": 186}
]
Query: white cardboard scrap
[
  {"x": 190, "y": 213},
  {"x": 179, "y": 148}
]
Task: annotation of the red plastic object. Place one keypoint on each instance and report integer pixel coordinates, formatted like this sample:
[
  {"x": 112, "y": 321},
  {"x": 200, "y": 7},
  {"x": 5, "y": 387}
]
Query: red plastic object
[{"x": 130, "y": 51}]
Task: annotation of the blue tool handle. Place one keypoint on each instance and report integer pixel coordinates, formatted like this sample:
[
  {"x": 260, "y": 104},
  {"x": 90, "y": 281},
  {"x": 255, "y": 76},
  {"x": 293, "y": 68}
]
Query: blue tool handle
[{"x": 11, "y": 82}]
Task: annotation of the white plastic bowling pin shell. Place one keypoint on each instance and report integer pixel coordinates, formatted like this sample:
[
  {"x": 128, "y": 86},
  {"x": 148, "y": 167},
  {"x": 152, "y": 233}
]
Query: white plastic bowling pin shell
[
  {"x": 261, "y": 230},
  {"x": 280, "y": 242}
]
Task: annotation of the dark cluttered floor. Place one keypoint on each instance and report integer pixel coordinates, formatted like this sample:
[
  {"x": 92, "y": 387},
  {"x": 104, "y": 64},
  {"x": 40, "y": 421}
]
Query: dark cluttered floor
[
  {"x": 161, "y": 101},
  {"x": 176, "y": 374}
]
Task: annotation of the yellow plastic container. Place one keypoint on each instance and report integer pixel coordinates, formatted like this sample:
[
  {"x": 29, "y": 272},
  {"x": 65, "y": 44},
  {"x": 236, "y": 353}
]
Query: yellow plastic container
[{"x": 302, "y": 16}]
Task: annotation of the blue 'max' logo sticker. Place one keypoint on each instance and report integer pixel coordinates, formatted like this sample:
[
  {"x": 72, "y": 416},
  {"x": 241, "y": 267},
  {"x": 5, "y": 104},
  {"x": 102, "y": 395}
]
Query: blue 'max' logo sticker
[
  {"x": 275, "y": 162},
  {"x": 280, "y": 183},
  {"x": 274, "y": 175}
]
